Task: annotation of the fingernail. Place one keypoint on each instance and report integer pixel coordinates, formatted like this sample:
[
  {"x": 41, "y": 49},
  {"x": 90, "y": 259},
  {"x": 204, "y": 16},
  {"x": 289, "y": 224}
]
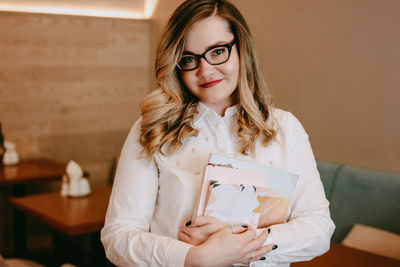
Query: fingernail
[
  {"x": 262, "y": 258},
  {"x": 188, "y": 223},
  {"x": 274, "y": 247},
  {"x": 269, "y": 230},
  {"x": 244, "y": 226}
]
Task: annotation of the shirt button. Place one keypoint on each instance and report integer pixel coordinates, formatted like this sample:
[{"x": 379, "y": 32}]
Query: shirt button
[
  {"x": 222, "y": 150},
  {"x": 206, "y": 138},
  {"x": 178, "y": 163},
  {"x": 271, "y": 163},
  {"x": 193, "y": 149}
]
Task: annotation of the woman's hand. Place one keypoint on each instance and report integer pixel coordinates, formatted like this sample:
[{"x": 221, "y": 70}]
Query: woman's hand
[
  {"x": 230, "y": 245},
  {"x": 198, "y": 231}
]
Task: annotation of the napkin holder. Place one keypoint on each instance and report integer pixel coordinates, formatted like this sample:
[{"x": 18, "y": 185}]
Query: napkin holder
[{"x": 74, "y": 183}]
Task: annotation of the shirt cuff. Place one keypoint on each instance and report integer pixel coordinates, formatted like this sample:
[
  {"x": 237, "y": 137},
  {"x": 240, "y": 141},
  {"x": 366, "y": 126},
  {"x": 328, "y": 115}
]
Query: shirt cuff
[{"x": 177, "y": 254}]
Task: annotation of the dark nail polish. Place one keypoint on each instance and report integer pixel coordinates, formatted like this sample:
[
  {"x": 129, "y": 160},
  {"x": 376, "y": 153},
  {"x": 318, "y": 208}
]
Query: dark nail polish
[
  {"x": 262, "y": 258},
  {"x": 244, "y": 226},
  {"x": 188, "y": 223},
  {"x": 274, "y": 247},
  {"x": 269, "y": 230}
]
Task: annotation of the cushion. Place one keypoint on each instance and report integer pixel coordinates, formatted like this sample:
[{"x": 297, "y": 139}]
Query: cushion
[
  {"x": 328, "y": 172},
  {"x": 365, "y": 197},
  {"x": 374, "y": 240}
]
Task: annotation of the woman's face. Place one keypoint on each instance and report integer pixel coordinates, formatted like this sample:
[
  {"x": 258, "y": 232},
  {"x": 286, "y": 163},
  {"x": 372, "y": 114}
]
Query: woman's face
[{"x": 212, "y": 84}]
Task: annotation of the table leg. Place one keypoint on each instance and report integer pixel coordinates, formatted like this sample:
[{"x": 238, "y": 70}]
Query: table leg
[
  {"x": 98, "y": 256},
  {"x": 20, "y": 240},
  {"x": 60, "y": 250}
]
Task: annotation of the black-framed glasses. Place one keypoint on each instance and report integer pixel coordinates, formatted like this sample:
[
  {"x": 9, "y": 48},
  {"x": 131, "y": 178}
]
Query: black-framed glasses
[{"x": 214, "y": 56}]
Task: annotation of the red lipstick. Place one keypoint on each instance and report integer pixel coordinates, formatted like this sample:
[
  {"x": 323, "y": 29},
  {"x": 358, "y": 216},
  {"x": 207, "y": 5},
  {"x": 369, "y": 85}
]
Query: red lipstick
[{"x": 210, "y": 83}]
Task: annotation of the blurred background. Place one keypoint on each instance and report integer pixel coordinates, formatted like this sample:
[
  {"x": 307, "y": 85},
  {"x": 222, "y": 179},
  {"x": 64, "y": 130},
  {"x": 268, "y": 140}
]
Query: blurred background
[{"x": 72, "y": 75}]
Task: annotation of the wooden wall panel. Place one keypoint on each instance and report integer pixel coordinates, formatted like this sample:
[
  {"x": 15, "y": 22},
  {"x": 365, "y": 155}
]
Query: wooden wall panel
[
  {"x": 71, "y": 80},
  {"x": 70, "y": 88}
]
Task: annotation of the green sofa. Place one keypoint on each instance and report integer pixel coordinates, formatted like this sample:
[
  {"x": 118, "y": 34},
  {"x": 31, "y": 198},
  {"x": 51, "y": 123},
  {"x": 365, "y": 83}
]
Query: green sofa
[{"x": 361, "y": 196}]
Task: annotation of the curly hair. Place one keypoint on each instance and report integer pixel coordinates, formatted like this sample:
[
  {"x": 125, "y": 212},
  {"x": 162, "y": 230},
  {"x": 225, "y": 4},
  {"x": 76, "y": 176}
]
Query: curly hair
[{"x": 167, "y": 113}]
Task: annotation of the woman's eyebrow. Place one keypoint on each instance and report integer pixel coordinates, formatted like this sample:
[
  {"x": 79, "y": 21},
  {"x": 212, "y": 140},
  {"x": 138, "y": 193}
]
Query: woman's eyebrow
[{"x": 209, "y": 47}]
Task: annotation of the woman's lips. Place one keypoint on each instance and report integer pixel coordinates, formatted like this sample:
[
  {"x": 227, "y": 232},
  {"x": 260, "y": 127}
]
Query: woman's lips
[{"x": 211, "y": 83}]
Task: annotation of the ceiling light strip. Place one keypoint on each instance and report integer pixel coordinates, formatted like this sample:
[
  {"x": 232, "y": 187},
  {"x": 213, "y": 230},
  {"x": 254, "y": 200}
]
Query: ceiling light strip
[{"x": 76, "y": 12}]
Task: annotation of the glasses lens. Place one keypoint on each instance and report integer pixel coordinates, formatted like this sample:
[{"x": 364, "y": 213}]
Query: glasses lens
[
  {"x": 217, "y": 55},
  {"x": 188, "y": 62}
]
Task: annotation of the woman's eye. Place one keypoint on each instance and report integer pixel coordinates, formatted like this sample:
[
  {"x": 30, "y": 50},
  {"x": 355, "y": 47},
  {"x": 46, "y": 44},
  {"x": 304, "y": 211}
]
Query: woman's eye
[
  {"x": 187, "y": 60},
  {"x": 218, "y": 51}
]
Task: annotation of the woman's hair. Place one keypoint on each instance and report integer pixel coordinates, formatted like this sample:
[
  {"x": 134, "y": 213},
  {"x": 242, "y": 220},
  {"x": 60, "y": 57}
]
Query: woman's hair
[{"x": 167, "y": 113}]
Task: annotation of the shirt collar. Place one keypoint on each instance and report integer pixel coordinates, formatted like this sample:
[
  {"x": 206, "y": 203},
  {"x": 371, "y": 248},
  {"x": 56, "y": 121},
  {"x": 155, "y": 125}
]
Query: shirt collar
[{"x": 205, "y": 111}]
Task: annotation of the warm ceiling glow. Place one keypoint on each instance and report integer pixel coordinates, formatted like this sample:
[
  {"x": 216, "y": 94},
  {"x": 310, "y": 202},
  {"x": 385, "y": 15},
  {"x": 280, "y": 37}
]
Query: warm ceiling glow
[
  {"x": 149, "y": 7},
  {"x": 115, "y": 12}
]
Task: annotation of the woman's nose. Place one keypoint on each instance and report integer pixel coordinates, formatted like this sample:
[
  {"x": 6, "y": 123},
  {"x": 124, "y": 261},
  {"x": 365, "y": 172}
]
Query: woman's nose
[{"x": 205, "y": 69}]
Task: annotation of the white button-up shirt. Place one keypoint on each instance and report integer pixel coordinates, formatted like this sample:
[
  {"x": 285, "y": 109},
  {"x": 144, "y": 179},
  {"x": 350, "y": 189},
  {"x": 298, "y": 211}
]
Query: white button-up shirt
[{"x": 150, "y": 200}]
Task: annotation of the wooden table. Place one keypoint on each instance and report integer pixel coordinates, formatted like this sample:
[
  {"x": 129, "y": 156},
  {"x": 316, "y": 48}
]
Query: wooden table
[
  {"x": 18, "y": 176},
  {"x": 29, "y": 171},
  {"x": 71, "y": 216},
  {"x": 342, "y": 256}
]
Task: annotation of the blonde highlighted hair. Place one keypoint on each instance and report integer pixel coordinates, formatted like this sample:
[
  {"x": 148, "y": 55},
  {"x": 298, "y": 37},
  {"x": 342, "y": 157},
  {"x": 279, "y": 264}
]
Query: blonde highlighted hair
[{"x": 167, "y": 113}]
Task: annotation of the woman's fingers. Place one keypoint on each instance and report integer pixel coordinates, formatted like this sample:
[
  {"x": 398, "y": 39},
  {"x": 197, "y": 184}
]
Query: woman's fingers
[
  {"x": 256, "y": 255},
  {"x": 197, "y": 234},
  {"x": 211, "y": 228},
  {"x": 262, "y": 251},
  {"x": 242, "y": 234},
  {"x": 237, "y": 229},
  {"x": 202, "y": 220},
  {"x": 202, "y": 228},
  {"x": 252, "y": 246},
  {"x": 255, "y": 250},
  {"x": 259, "y": 241},
  {"x": 233, "y": 244},
  {"x": 182, "y": 236},
  {"x": 185, "y": 229}
]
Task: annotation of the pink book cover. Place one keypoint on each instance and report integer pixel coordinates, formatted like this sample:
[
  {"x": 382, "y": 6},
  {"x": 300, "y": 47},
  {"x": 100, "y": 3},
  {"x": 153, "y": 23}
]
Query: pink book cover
[{"x": 272, "y": 209}]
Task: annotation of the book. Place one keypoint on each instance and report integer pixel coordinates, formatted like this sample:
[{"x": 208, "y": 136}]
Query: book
[
  {"x": 273, "y": 189},
  {"x": 244, "y": 202}
]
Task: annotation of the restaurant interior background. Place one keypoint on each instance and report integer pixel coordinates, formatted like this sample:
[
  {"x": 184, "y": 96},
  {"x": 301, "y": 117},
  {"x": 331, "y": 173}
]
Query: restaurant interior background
[{"x": 70, "y": 86}]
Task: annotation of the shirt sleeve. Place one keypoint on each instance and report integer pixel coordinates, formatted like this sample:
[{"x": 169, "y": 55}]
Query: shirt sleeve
[
  {"x": 126, "y": 234},
  {"x": 309, "y": 227}
]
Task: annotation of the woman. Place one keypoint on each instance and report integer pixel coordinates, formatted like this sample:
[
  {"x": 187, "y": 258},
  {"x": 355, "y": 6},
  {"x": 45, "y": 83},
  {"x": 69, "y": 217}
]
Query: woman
[{"x": 211, "y": 100}]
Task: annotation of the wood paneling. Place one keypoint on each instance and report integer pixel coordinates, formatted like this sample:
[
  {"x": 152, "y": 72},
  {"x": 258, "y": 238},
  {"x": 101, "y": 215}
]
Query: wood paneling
[{"x": 70, "y": 88}]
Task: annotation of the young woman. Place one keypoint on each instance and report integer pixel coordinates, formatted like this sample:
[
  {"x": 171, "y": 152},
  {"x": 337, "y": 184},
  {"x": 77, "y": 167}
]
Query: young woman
[{"x": 211, "y": 99}]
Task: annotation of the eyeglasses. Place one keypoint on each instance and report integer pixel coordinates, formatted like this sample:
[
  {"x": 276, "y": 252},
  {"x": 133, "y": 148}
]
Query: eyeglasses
[{"x": 214, "y": 56}]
